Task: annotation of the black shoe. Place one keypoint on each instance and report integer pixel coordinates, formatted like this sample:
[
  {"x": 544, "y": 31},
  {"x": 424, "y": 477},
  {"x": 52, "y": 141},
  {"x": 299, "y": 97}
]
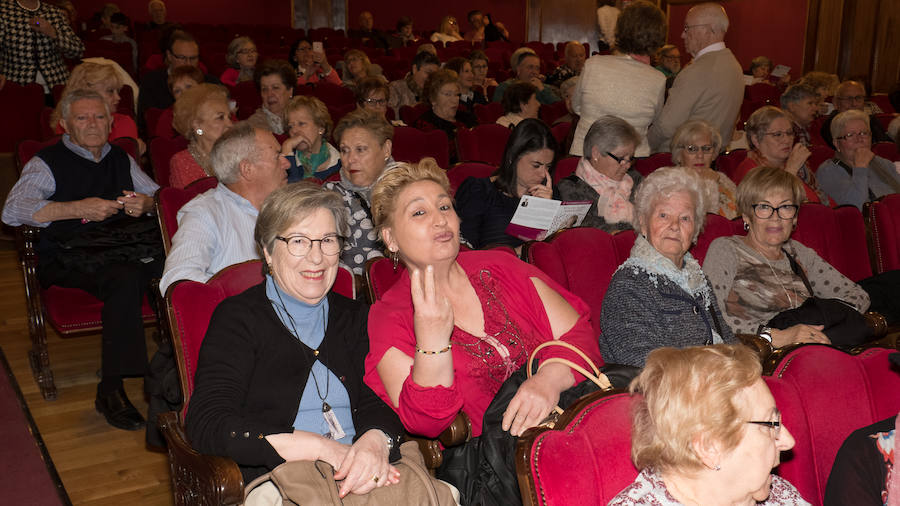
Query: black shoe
[{"x": 118, "y": 411}]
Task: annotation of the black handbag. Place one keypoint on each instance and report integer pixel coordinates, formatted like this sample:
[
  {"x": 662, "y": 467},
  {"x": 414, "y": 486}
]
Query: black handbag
[
  {"x": 484, "y": 469},
  {"x": 843, "y": 324},
  {"x": 121, "y": 239}
]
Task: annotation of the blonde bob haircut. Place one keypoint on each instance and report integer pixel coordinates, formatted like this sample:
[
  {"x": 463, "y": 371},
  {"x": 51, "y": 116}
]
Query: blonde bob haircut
[
  {"x": 294, "y": 203},
  {"x": 188, "y": 106},
  {"x": 375, "y": 123},
  {"x": 394, "y": 179},
  {"x": 689, "y": 132},
  {"x": 317, "y": 110},
  {"x": 661, "y": 184},
  {"x": 686, "y": 393},
  {"x": 84, "y": 77},
  {"x": 761, "y": 181}
]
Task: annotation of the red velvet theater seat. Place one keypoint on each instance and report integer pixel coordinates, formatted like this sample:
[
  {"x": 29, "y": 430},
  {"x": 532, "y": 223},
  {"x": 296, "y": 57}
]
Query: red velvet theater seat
[
  {"x": 484, "y": 143},
  {"x": 837, "y": 235},
  {"x": 170, "y": 200},
  {"x": 883, "y": 227},
  {"x": 411, "y": 145},
  {"x": 462, "y": 171},
  {"x": 824, "y": 394}
]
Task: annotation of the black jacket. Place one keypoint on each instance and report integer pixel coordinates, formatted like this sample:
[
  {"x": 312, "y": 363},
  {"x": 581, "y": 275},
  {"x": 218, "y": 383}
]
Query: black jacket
[{"x": 252, "y": 370}]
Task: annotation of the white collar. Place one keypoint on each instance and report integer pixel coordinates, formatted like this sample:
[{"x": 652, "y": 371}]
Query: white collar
[{"x": 716, "y": 46}]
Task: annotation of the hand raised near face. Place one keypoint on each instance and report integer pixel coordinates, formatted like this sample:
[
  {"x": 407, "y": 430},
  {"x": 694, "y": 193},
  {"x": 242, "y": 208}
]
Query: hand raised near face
[{"x": 432, "y": 313}]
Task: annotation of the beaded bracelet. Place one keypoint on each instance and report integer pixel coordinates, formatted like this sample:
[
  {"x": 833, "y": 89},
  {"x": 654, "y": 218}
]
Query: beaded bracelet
[{"x": 442, "y": 350}]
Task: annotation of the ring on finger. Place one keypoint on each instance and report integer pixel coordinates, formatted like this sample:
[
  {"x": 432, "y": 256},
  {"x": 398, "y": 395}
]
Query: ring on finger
[{"x": 375, "y": 478}]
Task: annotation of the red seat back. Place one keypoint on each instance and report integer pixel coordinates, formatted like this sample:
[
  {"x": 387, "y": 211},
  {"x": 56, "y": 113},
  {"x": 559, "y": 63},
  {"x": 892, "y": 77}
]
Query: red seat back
[
  {"x": 462, "y": 171},
  {"x": 484, "y": 143},
  {"x": 728, "y": 163},
  {"x": 586, "y": 459},
  {"x": 26, "y": 149},
  {"x": 411, "y": 145},
  {"x": 583, "y": 261},
  {"x": 837, "y": 235},
  {"x": 647, "y": 165},
  {"x": 163, "y": 121},
  {"x": 763, "y": 92},
  {"x": 381, "y": 276},
  {"x": 565, "y": 168},
  {"x": 818, "y": 155},
  {"x": 169, "y": 201},
  {"x": 247, "y": 97},
  {"x": 21, "y": 107},
  {"x": 716, "y": 226},
  {"x": 824, "y": 394},
  {"x": 887, "y": 150},
  {"x": 551, "y": 112},
  {"x": 410, "y": 113},
  {"x": 883, "y": 220},
  {"x": 162, "y": 150},
  {"x": 333, "y": 94},
  {"x": 488, "y": 113}
]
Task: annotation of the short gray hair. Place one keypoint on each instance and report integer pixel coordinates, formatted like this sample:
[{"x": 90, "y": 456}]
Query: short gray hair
[
  {"x": 296, "y": 202},
  {"x": 608, "y": 133},
  {"x": 231, "y": 148},
  {"x": 65, "y": 105},
  {"x": 796, "y": 93},
  {"x": 568, "y": 84},
  {"x": 661, "y": 184},
  {"x": 840, "y": 121},
  {"x": 689, "y": 131},
  {"x": 234, "y": 46},
  {"x": 714, "y": 14}
]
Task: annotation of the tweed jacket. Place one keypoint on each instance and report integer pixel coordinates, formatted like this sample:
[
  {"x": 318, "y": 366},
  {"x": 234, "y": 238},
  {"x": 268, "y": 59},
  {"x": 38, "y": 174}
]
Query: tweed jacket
[
  {"x": 574, "y": 188},
  {"x": 643, "y": 311},
  {"x": 711, "y": 88},
  {"x": 24, "y": 52}
]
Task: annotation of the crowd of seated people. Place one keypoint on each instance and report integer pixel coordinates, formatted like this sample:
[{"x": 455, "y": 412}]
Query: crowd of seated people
[{"x": 457, "y": 324}]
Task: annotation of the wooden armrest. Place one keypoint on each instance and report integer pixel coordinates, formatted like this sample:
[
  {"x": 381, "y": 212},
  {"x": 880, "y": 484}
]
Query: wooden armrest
[
  {"x": 196, "y": 478},
  {"x": 877, "y": 323},
  {"x": 762, "y": 347},
  {"x": 456, "y": 434}
]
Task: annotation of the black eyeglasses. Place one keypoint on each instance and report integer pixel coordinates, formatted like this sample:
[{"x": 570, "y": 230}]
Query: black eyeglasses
[
  {"x": 380, "y": 102},
  {"x": 774, "y": 426},
  {"x": 300, "y": 245},
  {"x": 765, "y": 211},
  {"x": 693, "y": 149},
  {"x": 621, "y": 159}
]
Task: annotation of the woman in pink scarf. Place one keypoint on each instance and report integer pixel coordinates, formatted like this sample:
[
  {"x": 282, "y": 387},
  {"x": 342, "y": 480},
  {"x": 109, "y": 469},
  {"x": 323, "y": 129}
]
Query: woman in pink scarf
[{"x": 604, "y": 174}]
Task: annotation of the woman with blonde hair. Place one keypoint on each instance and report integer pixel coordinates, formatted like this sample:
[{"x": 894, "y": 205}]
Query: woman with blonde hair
[
  {"x": 201, "y": 115},
  {"x": 448, "y": 31},
  {"x": 104, "y": 80},
  {"x": 704, "y": 425},
  {"x": 695, "y": 145},
  {"x": 357, "y": 66}
]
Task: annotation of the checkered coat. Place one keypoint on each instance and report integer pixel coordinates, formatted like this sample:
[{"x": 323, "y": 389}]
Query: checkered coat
[{"x": 24, "y": 51}]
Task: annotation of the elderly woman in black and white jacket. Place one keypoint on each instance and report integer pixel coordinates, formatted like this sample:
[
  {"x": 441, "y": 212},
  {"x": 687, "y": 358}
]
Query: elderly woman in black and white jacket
[{"x": 660, "y": 296}]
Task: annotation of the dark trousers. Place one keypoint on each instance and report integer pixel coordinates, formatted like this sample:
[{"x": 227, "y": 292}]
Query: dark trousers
[{"x": 121, "y": 288}]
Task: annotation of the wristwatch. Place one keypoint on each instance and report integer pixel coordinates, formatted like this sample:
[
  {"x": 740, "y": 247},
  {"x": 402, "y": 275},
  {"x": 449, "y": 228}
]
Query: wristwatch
[{"x": 766, "y": 333}]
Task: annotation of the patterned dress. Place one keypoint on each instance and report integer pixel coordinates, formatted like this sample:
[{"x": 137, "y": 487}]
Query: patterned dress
[{"x": 649, "y": 489}]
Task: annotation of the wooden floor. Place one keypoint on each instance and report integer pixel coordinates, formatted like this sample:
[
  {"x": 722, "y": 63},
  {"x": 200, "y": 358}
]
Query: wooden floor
[{"x": 99, "y": 465}]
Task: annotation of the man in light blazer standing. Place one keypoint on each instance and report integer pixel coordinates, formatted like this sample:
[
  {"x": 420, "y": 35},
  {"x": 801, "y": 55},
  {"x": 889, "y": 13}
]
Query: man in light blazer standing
[{"x": 711, "y": 87}]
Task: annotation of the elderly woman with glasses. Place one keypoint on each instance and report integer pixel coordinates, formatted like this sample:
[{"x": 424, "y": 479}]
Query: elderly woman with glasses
[
  {"x": 280, "y": 373},
  {"x": 241, "y": 59},
  {"x": 660, "y": 296},
  {"x": 770, "y": 135},
  {"x": 705, "y": 425},
  {"x": 442, "y": 94},
  {"x": 604, "y": 175},
  {"x": 856, "y": 175},
  {"x": 695, "y": 145},
  {"x": 752, "y": 274}
]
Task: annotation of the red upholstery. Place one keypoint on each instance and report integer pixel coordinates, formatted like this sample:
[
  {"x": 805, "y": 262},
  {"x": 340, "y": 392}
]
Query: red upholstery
[
  {"x": 883, "y": 101},
  {"x": 119, "y": 52},
  {"x": 838, "y": 236},
  {"x": 887, "y": 150},
  {"x": 883, "y": 219},
  {"x": 73, "y": 311},
  {"x": 381, "y": 276},
  {"x": 885, "y": 119},
  {"x": 728, "y": 163},
  {"x": 584, "y": 461},
  {"x": 28, "y": 148},
  {"x": 169, "y": 200},
  {"x": 247, "y": 97},
  {"x": 583, "y": 261},
  {"x": 484, "y": 143},
  {"x": 488, "y": 113},
  {"x": 20, "y": 106},
  {"x": 338, "y": 111},
  {"x": 410, "y": 113},
  {"x": 460, "y": 172},
  {"x": 163, "y": 123},
  {"x": 716, "y": 226},
  {"x": 763, "y": 92},
  {"x": 825, "y": 394},
  {"x": 818, "y": 156},
  {"x": 560, "y": 132},
  {"x": 411, "y": 145},
  {"x": 552, "y": 112},
  {"x": 747, "y": 108},
  {"x": 161, "y": 151},
  {"x": 647, "y": 165},
  {"x": 565, "y": 168},
  {"x": 333, "y": 94},
  {"x": 47, "y": 132}
]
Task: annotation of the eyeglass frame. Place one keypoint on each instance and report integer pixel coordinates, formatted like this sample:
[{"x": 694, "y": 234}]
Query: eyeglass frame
[
  {"x": 248, "y": 51},
  {"x": 183, "y": 58},
  {"x": 778, "y": 135},
  {"x": 705, "y": 149},
  {"x": 376, "y": 101},
  {"x": 775, "y": 210},
  {"x": 775, "y": 425},
  {"x": 623, "y": 159},
  {"x": 862, "y": 134},
  {"x": 287, "y": 244},
  {"x": 688, "y": 27}
]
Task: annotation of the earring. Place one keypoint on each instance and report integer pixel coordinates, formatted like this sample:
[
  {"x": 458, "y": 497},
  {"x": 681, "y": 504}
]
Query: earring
[
  {"x": 199, "y": 131},
  {"x": 395, "y": 259},
  {"x": 746, "y": 227},
  {"x": 717, "y": 468}
]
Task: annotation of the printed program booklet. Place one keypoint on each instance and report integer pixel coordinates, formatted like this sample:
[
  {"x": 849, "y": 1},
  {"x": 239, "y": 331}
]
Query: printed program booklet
[{"x": 537, "y": 218}]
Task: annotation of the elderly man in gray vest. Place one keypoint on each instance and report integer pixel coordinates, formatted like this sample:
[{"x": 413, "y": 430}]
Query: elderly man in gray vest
[{"x": 82, "y": 191}]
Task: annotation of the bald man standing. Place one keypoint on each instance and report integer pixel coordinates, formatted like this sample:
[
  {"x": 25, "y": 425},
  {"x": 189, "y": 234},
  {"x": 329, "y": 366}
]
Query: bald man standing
[{"x": 711, "y": 87}]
